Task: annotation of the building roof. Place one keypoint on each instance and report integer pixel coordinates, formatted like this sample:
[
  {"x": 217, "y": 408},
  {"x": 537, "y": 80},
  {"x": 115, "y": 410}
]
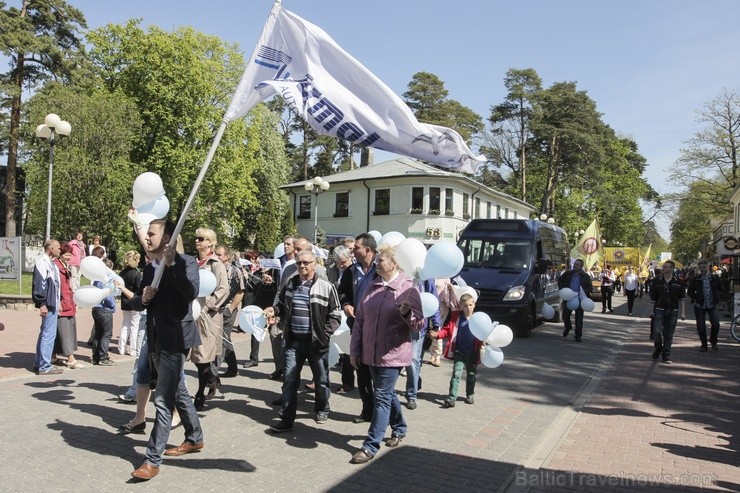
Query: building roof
[{"x": 403, "y": 167}]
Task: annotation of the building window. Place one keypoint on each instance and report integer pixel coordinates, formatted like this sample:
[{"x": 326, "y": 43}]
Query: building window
[
  {"x": 435, "y": 198},
  {"x": 488, "y": 210},
  {"x": 466, "y": 206},
  {"x": 507, "y": 213},
  {"x": 417, "y": 200},
  {"x": 341, "y": 207},
  {"x": 382, "y": 202},
  {"x": 498, "y": 211},
  {"x": 476, "y": 210},
  {"x": 304, "y": 207},
  {"x": 449, "y": 210}
]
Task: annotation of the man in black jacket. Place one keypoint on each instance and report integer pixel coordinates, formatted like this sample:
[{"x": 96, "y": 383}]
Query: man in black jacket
[
  {"x": 575, "y": 279},
  {"x": 667, "y": 295},
  {"x": 171, "y": 333},
  {"x": 704, "y": 293}
]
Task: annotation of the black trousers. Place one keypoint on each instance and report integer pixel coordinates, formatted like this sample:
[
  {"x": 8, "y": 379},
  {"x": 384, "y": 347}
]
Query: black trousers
[
  {"x": 630, "y": 298},
  {"x": 606, "y": 298}
]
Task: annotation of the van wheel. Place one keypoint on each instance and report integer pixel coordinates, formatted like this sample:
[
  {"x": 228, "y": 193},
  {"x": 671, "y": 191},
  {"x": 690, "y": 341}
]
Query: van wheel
[{"x": 524, "y": 329}]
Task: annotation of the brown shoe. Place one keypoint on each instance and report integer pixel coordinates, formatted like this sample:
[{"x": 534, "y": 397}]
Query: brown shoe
[
  {"x": 145, "y": 472},
  {"x": 361, "y": 457},
  {"x": 184, "y": 448}
]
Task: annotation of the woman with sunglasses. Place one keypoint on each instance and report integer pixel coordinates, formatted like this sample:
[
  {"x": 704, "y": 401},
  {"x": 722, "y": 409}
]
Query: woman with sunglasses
[{"x": 210, "y": 322}]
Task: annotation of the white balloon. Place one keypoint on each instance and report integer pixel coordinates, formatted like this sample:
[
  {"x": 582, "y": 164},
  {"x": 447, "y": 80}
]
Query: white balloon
[
  {"x": 492, "y": 357},
  {"x": 341, "y": 338},
  {"x": 391, "y": 238},
  {"x": 444, "y": 259},
  {"x": 501, "y": 336},
  {"x": 147, "y": 187},
  {"x": 410, "y": 256},
  {"x": 588, "y": 305},
  {"x": 208, "y": 282},
  {"x": 334, "y": 353},
  {"x": 195, "y": 307},
  {"x": 252, "y": 319},
  {"x": 376, "y": 235},
  {"x": 573, "y": 303},
  {"x": 480, "y": 325},
  {"x": 429, "y": 304},
  {"x": 94, "y": 269},
  {"x": 548, "y": 311},
  {"x": 279, "y": 251},
  {"x": 89, "y": 296},
  {"x": 567, "y": 294},
  {"x": 157, "y": 208}
]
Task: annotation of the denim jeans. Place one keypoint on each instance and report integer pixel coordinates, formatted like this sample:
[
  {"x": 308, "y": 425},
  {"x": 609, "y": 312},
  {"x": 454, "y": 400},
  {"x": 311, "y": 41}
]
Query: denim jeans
[
  {"x": 103, "y": 329},
  {"x": 466, "y": 362},
  {"x": 413, "y": 371},
  {"x": 387, "y": 408},
  {"x": 45, "y": 343},
  {"x": 701, "y": 324},
  {"x": 296, "y": 354},
  {"x": 665, "y": 325},
  {"x": 171, "y": 393}
]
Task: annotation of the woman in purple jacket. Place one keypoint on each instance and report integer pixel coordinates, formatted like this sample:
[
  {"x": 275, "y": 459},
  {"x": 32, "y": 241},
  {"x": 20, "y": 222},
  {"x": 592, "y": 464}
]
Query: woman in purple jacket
[{"x": 381, "y": 339}]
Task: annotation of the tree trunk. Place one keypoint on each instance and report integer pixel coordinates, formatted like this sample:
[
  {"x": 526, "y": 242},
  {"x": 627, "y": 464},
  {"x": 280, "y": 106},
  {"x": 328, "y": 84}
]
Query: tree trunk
[
  {"x": 15, "y": 122},
  {"x": 551, "y": 182}
]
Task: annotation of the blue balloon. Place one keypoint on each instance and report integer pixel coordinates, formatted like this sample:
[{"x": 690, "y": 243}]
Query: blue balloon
[{"x": 574, "y": 303}]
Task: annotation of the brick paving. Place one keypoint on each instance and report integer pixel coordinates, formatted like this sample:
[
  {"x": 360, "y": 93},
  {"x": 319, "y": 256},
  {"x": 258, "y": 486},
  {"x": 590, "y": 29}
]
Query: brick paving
[{"x": 557, "y": 416}]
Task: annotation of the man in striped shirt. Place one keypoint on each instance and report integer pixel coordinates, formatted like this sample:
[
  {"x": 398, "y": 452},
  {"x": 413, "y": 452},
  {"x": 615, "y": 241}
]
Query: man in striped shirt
[{"x": 308, "y": 306}]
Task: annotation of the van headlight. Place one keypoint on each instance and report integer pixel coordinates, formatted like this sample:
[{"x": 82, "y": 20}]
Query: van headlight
[{"x": 515, "y": 294}]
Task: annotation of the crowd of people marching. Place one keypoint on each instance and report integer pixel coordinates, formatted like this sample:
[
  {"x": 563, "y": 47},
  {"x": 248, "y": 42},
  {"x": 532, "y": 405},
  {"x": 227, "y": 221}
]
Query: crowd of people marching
[{"x": 304, "y": 296}]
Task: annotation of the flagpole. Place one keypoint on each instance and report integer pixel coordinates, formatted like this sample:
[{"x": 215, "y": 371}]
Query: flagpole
[{"x": 185, "y": 210}]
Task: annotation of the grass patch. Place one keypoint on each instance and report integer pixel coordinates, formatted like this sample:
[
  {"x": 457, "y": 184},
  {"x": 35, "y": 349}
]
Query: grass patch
[{"x": 11, "y": 286}]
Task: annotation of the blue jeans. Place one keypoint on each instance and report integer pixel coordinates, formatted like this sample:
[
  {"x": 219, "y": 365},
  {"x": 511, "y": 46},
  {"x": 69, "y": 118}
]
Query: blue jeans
[
  {"x": 413, "y": 371},
  {"x": 171, "y": 393},
  {"x": 701, "y": 324},
  {"x": 45, "y": 343},
  {"x": 387, "y": 409},
  {"x": 665, "y": 325},
  {"x": 296, "y": 354}
]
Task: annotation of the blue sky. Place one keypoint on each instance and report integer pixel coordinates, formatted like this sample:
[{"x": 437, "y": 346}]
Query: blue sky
[{"x": 648, "y": 64}]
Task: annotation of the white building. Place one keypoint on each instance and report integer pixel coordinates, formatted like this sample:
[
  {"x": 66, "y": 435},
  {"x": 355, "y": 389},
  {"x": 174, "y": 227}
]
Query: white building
[{"x": 403, "y": 195}]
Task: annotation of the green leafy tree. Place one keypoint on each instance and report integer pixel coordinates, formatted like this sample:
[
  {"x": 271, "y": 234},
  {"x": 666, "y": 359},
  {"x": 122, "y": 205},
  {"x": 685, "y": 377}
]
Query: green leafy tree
[
  {"x": 42, "y": 42},
  {"x": 266, "y": 221},
  {"x": 427, "y": 98},
  {"x": 506, "y": 143},
  {"x": 691, "y": 227},
  {"x": 93, "y": 173},
  {"x": 182, "y": 82}
]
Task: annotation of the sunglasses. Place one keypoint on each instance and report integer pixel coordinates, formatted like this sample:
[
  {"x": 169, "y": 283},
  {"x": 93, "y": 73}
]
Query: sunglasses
[
  {"x": 200, "y": 238},
  {"x": 304, "y": 262}
]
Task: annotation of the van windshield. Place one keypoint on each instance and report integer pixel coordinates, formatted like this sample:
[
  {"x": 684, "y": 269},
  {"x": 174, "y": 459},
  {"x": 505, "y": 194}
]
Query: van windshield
[{"x": 497, "y": 253}]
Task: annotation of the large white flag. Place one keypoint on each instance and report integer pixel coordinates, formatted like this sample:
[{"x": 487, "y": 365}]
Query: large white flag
[{"x": 338, "y": 96}]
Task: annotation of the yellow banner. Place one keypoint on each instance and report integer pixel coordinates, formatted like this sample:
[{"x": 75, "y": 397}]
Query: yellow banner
[
  {"x": 622, "y": 256},
  {"x": 589, "y": 246}
]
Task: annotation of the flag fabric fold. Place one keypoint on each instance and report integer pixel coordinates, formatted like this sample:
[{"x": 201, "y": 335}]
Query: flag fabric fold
[
  {"x": 338, "y": 96},
  {"x": 589, "y": 246}
]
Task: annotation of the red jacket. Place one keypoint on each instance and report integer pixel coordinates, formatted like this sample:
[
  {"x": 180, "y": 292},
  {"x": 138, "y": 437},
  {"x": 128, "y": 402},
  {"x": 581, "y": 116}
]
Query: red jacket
[{"x": 450, "y": 330}]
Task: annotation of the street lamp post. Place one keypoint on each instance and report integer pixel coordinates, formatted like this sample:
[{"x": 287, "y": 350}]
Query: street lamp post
[
  {"x": 316, "y": 186},
  {"x": 52, "y": 129}
]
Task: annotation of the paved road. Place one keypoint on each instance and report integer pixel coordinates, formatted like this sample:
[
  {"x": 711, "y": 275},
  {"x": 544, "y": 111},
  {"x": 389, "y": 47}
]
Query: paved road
[{"x": 557, "y": 415}]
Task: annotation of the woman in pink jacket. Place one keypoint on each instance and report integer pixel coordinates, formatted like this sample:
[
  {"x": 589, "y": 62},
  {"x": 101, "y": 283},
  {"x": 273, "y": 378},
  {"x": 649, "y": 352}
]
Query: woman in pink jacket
[{"x": 381, "y": 339}]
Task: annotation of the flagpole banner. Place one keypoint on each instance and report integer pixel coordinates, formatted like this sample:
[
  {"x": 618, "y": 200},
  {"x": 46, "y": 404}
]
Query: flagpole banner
[
  {"x": 338, "y": 96},
  {"x": 589, "y": 246}
]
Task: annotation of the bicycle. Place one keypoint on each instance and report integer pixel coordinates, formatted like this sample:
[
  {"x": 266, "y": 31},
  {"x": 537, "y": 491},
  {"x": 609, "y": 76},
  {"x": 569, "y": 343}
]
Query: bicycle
[{"x": 735, "y": 328}]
